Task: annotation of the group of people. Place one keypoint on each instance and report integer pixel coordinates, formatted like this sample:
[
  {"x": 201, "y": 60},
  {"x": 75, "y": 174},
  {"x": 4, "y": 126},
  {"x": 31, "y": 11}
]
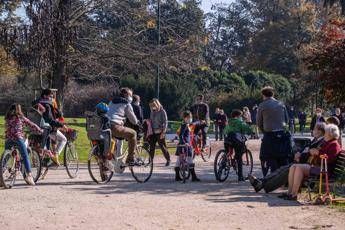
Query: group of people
[
  {"x": 276, "y": 151},
  {"x": 49, "y": 127},
  {"x": 123, "y": 115}
]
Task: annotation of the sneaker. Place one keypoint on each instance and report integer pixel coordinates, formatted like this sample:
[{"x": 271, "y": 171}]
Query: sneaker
[
  {"x": 109, "y": 165},
  {"x": 30, "y": 180},
  {"x": 55, "y": 159},
  {"x": 256, "y": 183}
]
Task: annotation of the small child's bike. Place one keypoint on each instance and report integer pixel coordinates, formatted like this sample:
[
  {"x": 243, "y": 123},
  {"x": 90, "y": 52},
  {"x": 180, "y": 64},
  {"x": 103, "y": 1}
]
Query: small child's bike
[
  {"x": 11, "y": 164},
  {"x": 183, "y": 164},
  {"x": 225, "y": 161}
]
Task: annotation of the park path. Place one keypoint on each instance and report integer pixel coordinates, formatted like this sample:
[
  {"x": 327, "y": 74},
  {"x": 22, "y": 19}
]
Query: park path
[{"x": 61, "y": 203}]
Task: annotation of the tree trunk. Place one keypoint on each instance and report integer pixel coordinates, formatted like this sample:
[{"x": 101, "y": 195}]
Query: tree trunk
[{"x": 61, "y": 32}]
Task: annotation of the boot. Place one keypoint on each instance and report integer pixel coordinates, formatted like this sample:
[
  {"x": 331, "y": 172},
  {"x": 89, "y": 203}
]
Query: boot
[
  {"x": 177, "y": 174},
  {"x": 194, "y": 177}
]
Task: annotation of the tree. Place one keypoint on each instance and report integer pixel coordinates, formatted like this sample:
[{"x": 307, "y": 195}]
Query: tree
[{"x": 326, "y": 58}]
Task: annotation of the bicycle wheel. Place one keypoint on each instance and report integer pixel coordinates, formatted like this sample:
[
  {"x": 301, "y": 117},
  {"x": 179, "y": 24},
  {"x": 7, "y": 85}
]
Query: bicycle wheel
[
  {"x": 143, "y": 166},
  {"x": 98, "y": 172},
  {"x": 71, "y": 160},
  {"x": 184, "y": 171},
  {"x": 247, "y": 160},
  {"x": 8, "y": 171},
  {"x": 221, "y": 166},
  {"x": 36, "y": 165}
]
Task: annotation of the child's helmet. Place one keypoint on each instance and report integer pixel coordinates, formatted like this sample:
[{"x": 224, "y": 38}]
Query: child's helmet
[{"x": 102, "y": 108}]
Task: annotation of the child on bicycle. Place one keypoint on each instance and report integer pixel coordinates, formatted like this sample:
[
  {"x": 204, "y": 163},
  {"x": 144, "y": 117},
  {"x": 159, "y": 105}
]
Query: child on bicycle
[
  {"x": 14, "y": 123},
  {"x": 234, "y": 133},
  {"x": 101, "y": 110},
  {"x": 185, "y": 147}
]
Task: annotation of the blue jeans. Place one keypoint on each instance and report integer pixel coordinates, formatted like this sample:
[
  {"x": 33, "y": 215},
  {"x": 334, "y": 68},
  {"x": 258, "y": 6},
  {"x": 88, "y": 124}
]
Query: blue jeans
[{"x": 20, "y": 143}]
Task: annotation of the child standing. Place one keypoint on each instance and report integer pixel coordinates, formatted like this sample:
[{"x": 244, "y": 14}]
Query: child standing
[
  {"x": 234, "y": 132},
  {"x": 184, "y": 147},
  {"x": 14, "y": 123}
]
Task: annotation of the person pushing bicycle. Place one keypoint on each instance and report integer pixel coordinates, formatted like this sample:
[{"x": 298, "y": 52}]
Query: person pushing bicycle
[
  {"x": 234, "y": 137},
  {"x": 185, "y": 147},
  {"x": 201, "y": 117}
]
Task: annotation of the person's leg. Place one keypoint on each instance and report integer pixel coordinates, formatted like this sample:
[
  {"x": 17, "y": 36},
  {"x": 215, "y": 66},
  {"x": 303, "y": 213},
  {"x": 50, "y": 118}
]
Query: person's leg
[
  {"x": 191, "y": 164},
  {"x": 61, "y": 142},
  {"x": 301, "y": 172},
  {"x": 238, "y": 157},
  {"x": 221, "y": 132},
  {"x": 216, "y": 130},
  {"x": 273, "y": 164},
  {"x": 25, "y": 155},
  {"x": 291, "y": 177},
  {"x": 130, "y": 135},
  {"x": 163, "y": 145},
  {"x": 153, "y": 141},
  {"x": 264, "y": 167},
  {"x": 204, "y": 130}
]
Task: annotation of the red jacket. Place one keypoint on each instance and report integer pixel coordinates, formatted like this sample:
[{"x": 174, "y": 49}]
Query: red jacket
[{"x": 331, "y": 149}]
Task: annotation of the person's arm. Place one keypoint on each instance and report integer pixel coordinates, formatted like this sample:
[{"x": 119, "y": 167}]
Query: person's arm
[
  {"x": 246, "y": 129},
  {"x": 259, "y": 119},
  {"x": 49, "y": 119},
  {"x": 164, "y": 120},
  {"x": 33, "y": 127},
  {"x": 286, "y": 115},
  {"x": 129, "y": 113}
]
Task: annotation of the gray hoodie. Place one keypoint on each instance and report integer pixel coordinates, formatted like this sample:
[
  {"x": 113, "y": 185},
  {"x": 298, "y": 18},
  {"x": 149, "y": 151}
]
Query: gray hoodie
[
  {"x": 119, "y": 110},
  {"x": 159, "y": 121}
]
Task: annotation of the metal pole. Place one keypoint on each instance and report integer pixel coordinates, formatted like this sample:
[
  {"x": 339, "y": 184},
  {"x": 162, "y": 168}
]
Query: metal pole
[{"x": 158, "y": 46}]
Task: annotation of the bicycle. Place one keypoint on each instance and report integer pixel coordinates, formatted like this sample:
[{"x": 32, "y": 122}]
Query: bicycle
[
  {"x": 183, "y": 165},
  {"x": 196, "y": 143},
  {"x": 143, "y": 163},
  {"x": 12, "y": 164},
  {"x": 225, "y": 161},
  {"x": 70, "y": 156}
]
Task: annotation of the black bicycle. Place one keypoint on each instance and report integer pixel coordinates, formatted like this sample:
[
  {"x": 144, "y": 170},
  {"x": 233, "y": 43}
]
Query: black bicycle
[{"x": 225, "y": 161}]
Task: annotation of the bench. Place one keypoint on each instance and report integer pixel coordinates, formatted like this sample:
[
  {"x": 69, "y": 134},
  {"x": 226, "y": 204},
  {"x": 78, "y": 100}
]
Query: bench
[{"x": 339, "y": 172}]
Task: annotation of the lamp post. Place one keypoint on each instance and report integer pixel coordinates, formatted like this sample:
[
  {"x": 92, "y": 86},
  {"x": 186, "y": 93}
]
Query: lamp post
[{"x": 158, "y": 47}]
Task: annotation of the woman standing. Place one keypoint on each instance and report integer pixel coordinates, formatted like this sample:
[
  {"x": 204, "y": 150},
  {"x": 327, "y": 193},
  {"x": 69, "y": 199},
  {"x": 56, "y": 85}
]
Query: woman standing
[
  {"x": 247, "y": 117},
  {"x": 159, "y": 122}
]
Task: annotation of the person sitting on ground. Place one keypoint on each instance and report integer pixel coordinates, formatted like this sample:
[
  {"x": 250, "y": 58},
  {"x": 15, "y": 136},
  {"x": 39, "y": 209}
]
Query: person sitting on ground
[
  {"x": 14, "y": 134},
  {"x": 279, "y": 177},
  {"x": 185, "y": 147},
  {"x": 234, "y": 133},
  {"x": 299, "y": 172},
  {"x": 120, "y": 109}
]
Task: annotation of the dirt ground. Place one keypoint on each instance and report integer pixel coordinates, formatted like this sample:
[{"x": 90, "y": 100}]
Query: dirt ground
[{"x": 161, "y": 203}]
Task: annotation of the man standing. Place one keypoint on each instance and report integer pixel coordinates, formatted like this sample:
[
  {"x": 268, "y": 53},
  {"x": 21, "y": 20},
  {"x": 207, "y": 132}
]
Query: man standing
[
  {"x": 292, "y": 116},
  {"x": 272, "y": 119},
  {"x": 201, "y": 115},
  {"x": 216, "y": 123},
  {"x": 223, "y": 122},
  {"x": 302, "y": 120}
]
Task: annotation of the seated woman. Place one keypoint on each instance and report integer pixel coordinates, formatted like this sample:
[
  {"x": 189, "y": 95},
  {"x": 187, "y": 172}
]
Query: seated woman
[
  {"x": 279, "y": 177},
  {"x": 299, "y": 172}
]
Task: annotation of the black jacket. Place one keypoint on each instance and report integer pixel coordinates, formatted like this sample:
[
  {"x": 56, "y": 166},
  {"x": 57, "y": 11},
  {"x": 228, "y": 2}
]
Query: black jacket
[
  {"x": 314, "y": 120},
  {"x": 138, "y": 111},
  {"x": 200, "y": 112},
  {"x": 315, "y": 143},
  {"x": 49, "y": 115}
]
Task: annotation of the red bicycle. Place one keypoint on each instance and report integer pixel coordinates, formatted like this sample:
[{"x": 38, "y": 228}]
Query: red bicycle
[{"x": 196, "y": 143}]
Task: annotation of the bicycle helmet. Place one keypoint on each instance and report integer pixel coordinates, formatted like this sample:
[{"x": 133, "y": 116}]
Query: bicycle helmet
[{"x": 102, "y": 108}]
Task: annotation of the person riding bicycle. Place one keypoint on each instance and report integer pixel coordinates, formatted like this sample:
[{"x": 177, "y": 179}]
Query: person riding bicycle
[
  {"x": 201, "y": 117},
  {"x": 120, "y": 109},
  {"x": 15, "y": 122},
  {"x": 51, "y": 116},
  {"x": 234, "y": 133},
  {"x": 185, "y": 147}
]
